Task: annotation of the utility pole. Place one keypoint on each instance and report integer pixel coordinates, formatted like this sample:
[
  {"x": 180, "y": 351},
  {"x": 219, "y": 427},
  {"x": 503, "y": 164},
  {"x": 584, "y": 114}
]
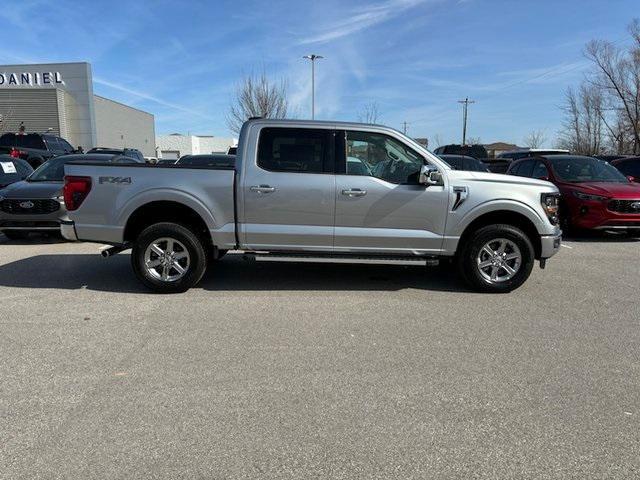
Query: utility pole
[
  {"x": 404, "y": 127},
  {"x": 313, "y": 57},
  {"x": 465, "y": 104}
]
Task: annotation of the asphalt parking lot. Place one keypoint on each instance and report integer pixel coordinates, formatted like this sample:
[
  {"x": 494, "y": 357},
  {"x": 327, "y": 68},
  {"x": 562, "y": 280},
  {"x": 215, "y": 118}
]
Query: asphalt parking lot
[{"x": 318, "y": 371}]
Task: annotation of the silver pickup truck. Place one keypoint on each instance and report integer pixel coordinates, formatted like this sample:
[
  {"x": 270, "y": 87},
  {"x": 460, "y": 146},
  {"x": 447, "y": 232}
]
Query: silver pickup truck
[{"x": 315, "y": 191}]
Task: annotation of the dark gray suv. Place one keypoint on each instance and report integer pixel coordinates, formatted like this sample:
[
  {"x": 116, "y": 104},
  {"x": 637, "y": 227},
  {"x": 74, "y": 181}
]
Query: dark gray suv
[{"x": 36, "y": 203}]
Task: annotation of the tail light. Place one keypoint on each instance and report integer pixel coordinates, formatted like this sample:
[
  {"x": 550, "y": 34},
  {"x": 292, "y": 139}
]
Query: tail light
[
  {"x": 75, "y": 191},
  {"x": 15, "y": 153}
]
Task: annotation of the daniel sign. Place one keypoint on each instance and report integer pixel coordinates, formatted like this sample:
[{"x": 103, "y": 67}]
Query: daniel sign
[{"x": 31, "y": 79}]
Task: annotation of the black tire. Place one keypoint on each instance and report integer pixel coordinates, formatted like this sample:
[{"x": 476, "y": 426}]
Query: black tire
[
  {"x": 15, "y": 234},
  {"x": 468, "y": 263},
  {"x": 197, "y": 258}
]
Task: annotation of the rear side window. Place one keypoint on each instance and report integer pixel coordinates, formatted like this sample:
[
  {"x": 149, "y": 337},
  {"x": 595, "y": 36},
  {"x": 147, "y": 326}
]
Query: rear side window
[
  {"x": 296, "y": 150},
  {"x": 8, "y": 140},
  {"x": 52, "y": 143},
  {"x": 31, "y": 140}
]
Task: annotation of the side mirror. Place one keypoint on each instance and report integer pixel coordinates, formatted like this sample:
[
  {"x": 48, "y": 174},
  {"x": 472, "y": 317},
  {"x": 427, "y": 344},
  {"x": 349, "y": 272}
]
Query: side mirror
[{"x": 430, "y": 175}]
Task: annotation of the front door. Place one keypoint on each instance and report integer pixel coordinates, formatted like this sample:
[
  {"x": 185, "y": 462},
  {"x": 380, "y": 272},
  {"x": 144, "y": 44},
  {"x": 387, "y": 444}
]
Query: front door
[
  {"x": 289, "y": 195},
  {"x": 380, "y": 206}
]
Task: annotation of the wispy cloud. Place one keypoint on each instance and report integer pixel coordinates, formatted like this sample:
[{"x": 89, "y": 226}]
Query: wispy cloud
[
  {"x": 149, "y": 97},
  {"x": 373, "y": 15}
]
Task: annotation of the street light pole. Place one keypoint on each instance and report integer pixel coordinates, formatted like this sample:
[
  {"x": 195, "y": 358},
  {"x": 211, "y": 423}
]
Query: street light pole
[{"x": 313, "y": 57}]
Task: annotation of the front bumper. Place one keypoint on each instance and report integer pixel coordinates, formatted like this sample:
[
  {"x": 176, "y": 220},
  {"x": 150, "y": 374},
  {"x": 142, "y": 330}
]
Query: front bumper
[
  {"x": 68, "y": 229},
  {"x": 550, "y": 244}
]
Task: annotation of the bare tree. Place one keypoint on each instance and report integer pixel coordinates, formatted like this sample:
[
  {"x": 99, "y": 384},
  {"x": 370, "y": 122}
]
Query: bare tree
[
  {"x": 616, "y": 76},
  {"x": 582, "y": 130},
  {"x": 257, "y": 96},
  {"x": 535, "y": 139},
  {"x": 437, "y": 140},
  {"x": 474, "y": 140},
  {"x": 370, "y": 113}
]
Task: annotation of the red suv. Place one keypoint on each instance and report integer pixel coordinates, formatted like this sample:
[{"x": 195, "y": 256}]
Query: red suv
[{"x": 595, "y": 195}]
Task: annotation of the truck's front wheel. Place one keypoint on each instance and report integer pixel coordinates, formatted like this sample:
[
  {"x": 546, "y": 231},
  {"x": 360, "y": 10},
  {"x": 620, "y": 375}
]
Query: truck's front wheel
[
  {"x": 168, "y": 258},
  {"x": 496, "y": 258}
]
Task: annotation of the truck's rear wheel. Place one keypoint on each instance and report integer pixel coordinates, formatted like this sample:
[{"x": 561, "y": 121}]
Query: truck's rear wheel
[
  {"x": 496, "y": 259},
  {"x": 168, "y": 258}
]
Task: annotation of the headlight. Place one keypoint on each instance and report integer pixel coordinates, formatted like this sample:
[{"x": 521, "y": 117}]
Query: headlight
[
  {"x": 589, "y": 197},
  {"x": 60, "y": 198},
  {"x": 551, "y": 204}
]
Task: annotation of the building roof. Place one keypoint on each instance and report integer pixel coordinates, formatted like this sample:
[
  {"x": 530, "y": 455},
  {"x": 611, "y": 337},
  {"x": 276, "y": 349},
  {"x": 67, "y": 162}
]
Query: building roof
[{"x": 501, "y": 146}]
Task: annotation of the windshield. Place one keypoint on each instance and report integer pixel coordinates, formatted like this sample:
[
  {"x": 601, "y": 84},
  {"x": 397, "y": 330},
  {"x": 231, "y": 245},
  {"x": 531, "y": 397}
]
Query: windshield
[
  {"x": 12, "y": 170},
  {"x": 50, "y": 171},
  {"x": 585, "y": 169}
]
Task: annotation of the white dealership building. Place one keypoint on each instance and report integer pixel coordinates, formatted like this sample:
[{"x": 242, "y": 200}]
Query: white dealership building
[
  {"x": 175, "y": 145},
  {"x": 59, "y": 98}
]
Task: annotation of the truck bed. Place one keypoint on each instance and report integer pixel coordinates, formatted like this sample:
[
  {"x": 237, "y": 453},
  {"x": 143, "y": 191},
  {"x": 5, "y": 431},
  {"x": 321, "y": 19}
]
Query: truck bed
[{"x": 208, "y": 191}]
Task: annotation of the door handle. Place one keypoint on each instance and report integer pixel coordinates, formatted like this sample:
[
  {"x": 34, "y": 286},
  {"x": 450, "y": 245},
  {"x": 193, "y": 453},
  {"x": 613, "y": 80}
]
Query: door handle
[
  {"x": 354, "y": 192},
  {"x": 262, "y": 189}
]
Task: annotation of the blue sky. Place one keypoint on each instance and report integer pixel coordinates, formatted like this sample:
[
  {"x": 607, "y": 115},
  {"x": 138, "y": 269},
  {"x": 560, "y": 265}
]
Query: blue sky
[{"x": 181, "y": 60}]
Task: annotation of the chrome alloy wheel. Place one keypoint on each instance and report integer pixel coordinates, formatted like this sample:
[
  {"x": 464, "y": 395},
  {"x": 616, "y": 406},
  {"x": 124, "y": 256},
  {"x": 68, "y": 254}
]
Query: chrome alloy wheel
[
  {"x": 166, "y": 259},
  {"x": 499, "y": 260}
]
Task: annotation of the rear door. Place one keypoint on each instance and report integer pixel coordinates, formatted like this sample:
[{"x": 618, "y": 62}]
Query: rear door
[
  {"x": 380, "y": 206},
  {"x": 289, "y": 192}
]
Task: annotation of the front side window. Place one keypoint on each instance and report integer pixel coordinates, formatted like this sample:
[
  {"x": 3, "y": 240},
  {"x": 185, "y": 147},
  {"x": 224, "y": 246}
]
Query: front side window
[
  {"x": 524, "y": 168},
  {"x": 540, "y": 170},
  {"x": 296, "y": 150},
  {"x": 381, "y": 156},
  {"x": 631, "y": 167}
]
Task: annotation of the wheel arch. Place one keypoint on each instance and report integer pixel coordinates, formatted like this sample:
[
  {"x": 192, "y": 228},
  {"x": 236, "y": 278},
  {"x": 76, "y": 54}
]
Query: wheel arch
[
  {"x": 505, "y": 217},
  {"x": 158, "y": 211}
]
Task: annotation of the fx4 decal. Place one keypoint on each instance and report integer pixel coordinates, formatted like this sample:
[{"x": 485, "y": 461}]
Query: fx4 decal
[{"x": 116, "y": 180}]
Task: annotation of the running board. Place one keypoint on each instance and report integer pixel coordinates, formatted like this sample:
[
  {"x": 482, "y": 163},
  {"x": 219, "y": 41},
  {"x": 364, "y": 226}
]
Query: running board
[{"x": 410, "y": 261}]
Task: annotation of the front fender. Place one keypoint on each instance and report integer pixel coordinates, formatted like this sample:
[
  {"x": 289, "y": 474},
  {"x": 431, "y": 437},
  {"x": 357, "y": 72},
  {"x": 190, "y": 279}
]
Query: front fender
[{"x": 542, "y": 226}]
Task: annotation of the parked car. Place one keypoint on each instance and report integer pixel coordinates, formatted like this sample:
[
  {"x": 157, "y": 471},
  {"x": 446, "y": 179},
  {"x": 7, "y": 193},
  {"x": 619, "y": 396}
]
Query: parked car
[
  {"x": 13, "y": 170},
  {"x": 290, "y": 197},
  {"x": 166, "y": 161},
  {"x": 611, "y": 158},
  {"x": 475, "y": 151},
  {"x": 629, "y": 166},
  {"x": 36, "y": 203},
  {"x": 462, "y": 162},
  {"x": 125, "y": 152},
  {"x": 35, "y": 148},
  {"x": 232, "y": 150},
  {"x": 530, "y": 152},
  {"x": 595, "y": 195},
  {"x": 210, "y": 160}
]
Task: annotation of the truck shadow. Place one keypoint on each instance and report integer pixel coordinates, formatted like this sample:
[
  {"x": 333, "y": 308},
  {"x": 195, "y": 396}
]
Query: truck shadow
[
  {"x": 600, "y": 237},
  {"x": 233, "y": 273}
]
